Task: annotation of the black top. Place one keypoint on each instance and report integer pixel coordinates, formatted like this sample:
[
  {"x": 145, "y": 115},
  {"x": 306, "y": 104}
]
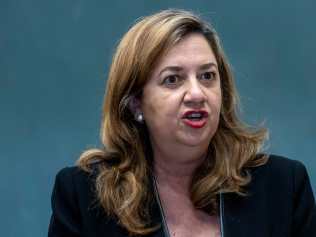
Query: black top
[{"x": 280, "y": 203}]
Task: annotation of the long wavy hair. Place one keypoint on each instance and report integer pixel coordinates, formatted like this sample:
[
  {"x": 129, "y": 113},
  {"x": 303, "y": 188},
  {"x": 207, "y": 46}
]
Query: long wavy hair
[{"x": 123, "y": 179}]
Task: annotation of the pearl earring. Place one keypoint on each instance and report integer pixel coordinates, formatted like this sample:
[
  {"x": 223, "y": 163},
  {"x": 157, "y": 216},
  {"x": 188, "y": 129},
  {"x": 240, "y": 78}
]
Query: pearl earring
[{"x": 140, "y": 117}]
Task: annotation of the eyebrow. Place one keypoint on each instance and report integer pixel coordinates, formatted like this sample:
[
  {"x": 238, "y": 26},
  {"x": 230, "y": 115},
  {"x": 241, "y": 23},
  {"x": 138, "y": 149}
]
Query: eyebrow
[
  {"x": 178, "y": 68},
  {"x": 208, "y": 65}
]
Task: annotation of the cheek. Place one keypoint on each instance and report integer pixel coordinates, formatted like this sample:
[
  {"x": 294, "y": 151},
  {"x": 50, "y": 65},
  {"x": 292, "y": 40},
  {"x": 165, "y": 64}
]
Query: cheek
[
  {"x": 160, "y": 108},
  {"x": 215, "y": 99},
  {"x": 215, "y": 105},
  {"x": 219, "y": 103},
  {"x": 218, "y": 98},
  {"x": 152, "y": 104}
]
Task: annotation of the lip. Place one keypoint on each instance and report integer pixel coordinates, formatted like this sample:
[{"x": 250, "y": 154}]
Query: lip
[{"x": 198, "y": 123}]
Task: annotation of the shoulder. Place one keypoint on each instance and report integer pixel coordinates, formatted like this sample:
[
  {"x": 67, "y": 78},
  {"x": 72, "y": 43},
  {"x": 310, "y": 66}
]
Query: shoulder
[
  {"x": 74, "y": 183},
  {"x": 276, "y": 161},
  {"x": 74, "y": 174},
  {"x": 281, "y": 177},
  {"x": 284, "y": 184},
  {"x": 74, "y": 203},
  {"x": 77, "y": 176},
  {"x": 75, "y": 188},
  {"x": 71, "y": 185},
  {"x": 280, "y": 167}
]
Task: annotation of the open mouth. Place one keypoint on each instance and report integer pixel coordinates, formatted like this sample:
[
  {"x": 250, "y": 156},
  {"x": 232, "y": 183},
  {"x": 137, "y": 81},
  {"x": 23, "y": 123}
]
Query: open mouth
[
  {"x": 195, "y": 116},
  {"x": 195, "y": 119}
]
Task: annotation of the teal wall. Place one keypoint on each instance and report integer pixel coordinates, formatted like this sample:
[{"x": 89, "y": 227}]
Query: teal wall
[{"x": 54, "y": 56}]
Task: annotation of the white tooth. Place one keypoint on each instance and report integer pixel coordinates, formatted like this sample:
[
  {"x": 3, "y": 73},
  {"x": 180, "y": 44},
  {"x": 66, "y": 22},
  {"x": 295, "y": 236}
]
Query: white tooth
[{"x": 195, "y": 115}]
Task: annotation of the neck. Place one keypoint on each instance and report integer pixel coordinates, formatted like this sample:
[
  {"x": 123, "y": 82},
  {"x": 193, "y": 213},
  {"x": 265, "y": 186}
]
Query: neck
[{"x": 175, "y": 174}]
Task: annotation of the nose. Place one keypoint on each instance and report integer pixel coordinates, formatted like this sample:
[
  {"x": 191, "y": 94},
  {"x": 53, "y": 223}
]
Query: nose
[{"x": 194, "y": 94}]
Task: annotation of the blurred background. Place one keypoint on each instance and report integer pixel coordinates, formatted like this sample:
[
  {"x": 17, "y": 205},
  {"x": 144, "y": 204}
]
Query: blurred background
[{"x": 54, "y": 58}]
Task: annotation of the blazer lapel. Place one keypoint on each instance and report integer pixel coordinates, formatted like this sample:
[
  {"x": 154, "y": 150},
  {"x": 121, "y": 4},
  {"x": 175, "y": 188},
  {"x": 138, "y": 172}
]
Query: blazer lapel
[{"x": 244, "y": 217}]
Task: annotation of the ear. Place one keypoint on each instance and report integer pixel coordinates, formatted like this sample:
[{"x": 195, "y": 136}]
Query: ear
[{"x": 134, "y": 105}]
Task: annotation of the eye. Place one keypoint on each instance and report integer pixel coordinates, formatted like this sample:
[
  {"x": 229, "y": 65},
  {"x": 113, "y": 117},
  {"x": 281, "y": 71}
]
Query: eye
[
  {"x": 171, "y": 80},
  {"x": 208, "y": 76}
]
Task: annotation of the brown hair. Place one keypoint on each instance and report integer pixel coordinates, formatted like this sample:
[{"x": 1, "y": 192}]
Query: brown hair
[{"x": 122, "y": 185}]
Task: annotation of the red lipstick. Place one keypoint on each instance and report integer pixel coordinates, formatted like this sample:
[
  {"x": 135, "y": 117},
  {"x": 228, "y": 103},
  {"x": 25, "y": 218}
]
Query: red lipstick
[{"x": 195, "y": 118}]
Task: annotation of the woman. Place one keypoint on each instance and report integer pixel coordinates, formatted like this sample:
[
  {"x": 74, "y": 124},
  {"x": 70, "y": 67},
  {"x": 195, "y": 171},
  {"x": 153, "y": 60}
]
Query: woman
[{"x": 177, "y": 161}]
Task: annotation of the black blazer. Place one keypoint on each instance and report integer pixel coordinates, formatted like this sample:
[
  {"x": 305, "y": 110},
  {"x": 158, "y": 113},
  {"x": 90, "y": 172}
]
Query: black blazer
[{"x": 280, "y": 204}]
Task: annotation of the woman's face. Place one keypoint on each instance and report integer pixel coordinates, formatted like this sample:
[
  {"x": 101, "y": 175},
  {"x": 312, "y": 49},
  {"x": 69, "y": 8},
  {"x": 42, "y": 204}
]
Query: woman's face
[{"x": 181, "y": 101}]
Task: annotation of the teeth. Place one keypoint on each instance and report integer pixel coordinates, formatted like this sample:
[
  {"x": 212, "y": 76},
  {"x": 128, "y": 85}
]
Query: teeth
[{"x": 195, "y": 115}]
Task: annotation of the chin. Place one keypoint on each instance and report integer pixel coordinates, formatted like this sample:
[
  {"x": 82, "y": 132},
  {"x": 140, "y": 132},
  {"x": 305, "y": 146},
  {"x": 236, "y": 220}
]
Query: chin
[{"x": 196, "y": 141}]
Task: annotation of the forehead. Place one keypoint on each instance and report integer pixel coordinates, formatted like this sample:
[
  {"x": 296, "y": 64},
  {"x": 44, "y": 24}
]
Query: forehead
[{"x": 193, "y": 49}]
